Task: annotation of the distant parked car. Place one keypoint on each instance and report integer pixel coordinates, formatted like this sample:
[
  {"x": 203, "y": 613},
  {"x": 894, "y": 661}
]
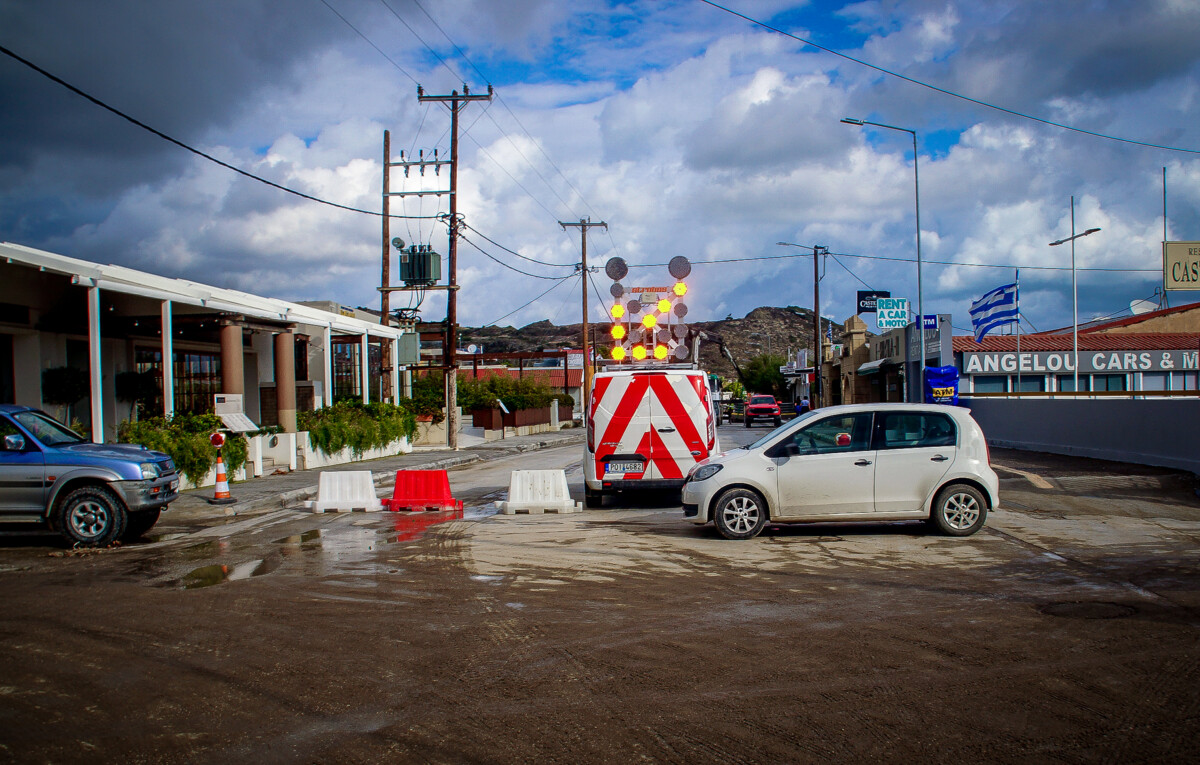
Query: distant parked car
[
  {"x": 92, "y": 494},
  {"x": 862, "y": 462},
  {"x": 762, "y": 408}
]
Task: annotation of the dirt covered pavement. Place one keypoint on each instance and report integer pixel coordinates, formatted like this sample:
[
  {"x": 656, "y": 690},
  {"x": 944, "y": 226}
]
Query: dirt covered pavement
[{"x": 1067, "y": 630}]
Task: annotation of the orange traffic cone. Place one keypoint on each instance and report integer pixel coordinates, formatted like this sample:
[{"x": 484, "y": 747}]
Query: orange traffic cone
[{"x": 221, "y": 494}]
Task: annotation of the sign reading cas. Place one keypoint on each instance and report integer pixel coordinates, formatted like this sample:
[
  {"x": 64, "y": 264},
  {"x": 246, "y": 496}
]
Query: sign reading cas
[
  {"x": 891, "y": 313},
  {"x": 1181, "y": 266}
]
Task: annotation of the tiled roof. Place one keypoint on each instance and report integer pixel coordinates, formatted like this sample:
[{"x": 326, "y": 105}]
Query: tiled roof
[{"x": 1150, "y": 341}]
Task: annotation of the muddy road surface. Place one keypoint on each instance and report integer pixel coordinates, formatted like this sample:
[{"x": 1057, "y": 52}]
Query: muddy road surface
[{"x": 1067, "y": 631}]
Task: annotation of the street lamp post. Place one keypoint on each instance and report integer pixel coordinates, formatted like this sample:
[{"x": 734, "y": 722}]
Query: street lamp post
[
  {"x": 1074, "y": 289},
  {"x": 917, "y": 196}
]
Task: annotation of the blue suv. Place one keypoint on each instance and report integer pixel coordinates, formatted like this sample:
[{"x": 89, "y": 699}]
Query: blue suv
[{"x": 92, "y": 494}]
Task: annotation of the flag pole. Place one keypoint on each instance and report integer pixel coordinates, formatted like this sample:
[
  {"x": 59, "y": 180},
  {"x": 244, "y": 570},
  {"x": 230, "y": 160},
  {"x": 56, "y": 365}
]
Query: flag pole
[{"x": 1017, "y": 287}]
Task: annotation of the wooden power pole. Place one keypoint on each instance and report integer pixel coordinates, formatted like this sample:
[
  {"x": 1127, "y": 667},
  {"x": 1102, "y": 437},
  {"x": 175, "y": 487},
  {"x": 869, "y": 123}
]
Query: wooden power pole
[
  {"x": 456, "y": 102},
  {"x": 583, "y": 226}
]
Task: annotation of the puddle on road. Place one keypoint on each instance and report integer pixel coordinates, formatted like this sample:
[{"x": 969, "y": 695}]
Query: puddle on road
[
  {"x": 407, "y": 526},
  {"x": 207, "y": 576}
]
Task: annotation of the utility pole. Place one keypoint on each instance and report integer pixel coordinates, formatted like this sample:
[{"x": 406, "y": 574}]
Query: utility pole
[
  {"x": 456, "y": 102},
  {"x": 817, "y": 363},
  {"x": 385, "y": 279},
  {"x": 583, "y": 226}
]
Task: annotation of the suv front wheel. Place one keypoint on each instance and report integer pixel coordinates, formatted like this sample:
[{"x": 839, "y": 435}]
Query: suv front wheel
[{"x": 90, "y": 516}]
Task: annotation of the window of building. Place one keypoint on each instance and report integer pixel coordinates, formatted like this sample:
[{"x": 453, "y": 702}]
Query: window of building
[
  {"x": 197, "y": 379},
  {"x": 1066, "y": 383},
  {"x": 1109, "y": 382},
  {"x": 1184, "y": 380},
  {"x": 301, "y": 357},
  {"x": 990, "y": 383},
  {"x": 1155, "y": 380},
  {"x": 1030, "y": 384},
  {"x": 347, "y": 369},
  {"x": 7, "y": 386}
]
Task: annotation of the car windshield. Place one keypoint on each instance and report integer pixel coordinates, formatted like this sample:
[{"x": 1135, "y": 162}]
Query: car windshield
[
  {"x": 49, "y": 431},
  {"x": 762, "y": 400},
  {"x": 789, "y": 425}
]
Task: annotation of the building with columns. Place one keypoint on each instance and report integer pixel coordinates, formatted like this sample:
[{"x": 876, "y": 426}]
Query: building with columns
[{"x": 116, "y": 326}]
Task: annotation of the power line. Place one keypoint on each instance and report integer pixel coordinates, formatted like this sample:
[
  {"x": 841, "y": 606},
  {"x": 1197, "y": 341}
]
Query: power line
[
  {"x": 946, "y": 92},
  {"x": 501, "y": 262},
  {"x": 904, "y": 260},
  {"x": 373, "y": 45},
  {"x": 192, "y": 149},
  {"x": 531, "y": 302},
  {"x": 514, "y": 252}
]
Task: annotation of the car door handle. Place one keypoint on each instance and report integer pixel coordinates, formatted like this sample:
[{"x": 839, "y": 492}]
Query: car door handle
[
  {"x": 938, "y": 458},
  {"x": 666, "y": 430},
  {"x": 863, "y": 463}
]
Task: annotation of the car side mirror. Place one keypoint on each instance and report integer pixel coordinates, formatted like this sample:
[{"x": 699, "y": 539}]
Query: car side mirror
[{"x": 14, "y": 443}]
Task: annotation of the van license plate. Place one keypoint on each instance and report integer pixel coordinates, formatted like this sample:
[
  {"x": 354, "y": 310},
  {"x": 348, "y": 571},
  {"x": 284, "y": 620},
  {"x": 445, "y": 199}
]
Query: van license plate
[{"x": 623, "y": 467}]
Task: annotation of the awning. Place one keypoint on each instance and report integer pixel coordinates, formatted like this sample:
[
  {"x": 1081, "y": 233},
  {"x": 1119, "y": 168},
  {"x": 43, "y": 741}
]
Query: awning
[{"x": 874, "y": 367}]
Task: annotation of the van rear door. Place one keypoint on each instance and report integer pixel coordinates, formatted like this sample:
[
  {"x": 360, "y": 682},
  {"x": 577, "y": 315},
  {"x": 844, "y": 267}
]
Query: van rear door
[
  {"x": 622, "y": 423},
  {"x": 681, "y": 432}
]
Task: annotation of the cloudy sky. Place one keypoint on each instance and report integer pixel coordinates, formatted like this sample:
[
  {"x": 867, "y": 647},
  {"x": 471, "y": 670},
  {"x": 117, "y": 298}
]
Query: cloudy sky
[{"x": 687, "y": 129}]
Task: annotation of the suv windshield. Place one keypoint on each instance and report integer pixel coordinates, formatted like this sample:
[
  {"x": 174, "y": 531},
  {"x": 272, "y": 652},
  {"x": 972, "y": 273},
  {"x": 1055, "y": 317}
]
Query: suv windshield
[
  {"x": 49, "y": 432},
  {"x": 762, "y": 400}
]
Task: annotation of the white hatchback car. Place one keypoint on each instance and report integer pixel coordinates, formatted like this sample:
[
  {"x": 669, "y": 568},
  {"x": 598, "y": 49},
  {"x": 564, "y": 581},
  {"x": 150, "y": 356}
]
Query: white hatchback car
[{"x": 861, "y": 462}]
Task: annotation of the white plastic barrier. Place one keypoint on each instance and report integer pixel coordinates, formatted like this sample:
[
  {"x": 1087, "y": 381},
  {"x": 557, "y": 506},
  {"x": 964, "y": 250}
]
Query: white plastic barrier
[
  {"x": 344, "y": 491},
  {"x": 538, "y": 491}
]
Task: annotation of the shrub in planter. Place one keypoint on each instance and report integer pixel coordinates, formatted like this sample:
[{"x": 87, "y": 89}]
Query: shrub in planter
[
  {"x": 186, "y": 438},
  {"x": 357, "y": 427}
]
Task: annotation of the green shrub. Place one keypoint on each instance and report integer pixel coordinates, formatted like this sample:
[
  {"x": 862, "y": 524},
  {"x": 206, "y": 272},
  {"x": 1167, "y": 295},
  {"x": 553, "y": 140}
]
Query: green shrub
[
  {"x": 529, "y": 393},
  {"x": 186, "y": 438},
  {"x": 359, "y": 427}
]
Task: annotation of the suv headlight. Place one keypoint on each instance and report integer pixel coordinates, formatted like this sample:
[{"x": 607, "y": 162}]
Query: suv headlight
[
  {"x": 150, "y": 471},
  {"x": 706, "y": 472}
]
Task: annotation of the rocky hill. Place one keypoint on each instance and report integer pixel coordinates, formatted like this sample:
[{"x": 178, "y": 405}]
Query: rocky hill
[{"x": 763, "y": 330}]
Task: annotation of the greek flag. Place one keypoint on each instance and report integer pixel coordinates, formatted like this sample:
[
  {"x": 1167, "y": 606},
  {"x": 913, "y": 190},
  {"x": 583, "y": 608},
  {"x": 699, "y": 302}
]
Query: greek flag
[{"x": 994, "y": 309}]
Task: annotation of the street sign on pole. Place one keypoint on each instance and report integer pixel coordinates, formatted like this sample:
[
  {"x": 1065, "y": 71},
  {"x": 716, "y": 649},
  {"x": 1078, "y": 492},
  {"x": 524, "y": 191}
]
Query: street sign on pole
[{"x": 892, "y": 313}]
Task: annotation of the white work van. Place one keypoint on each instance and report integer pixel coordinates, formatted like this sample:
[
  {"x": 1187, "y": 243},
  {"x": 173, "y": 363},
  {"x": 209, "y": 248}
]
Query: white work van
[{"x": 646, "y": 428}]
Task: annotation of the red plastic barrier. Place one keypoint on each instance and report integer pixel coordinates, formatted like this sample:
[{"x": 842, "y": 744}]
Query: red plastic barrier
[{"x": 422, "y": 490}]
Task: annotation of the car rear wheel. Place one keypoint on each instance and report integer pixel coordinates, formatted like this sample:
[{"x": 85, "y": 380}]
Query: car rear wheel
[
  {"x": 139, "y": 523},
  {"x": 592, "y": 497},
  {"x": 959, "y": 510},
  {"x": 90, "y": 516},
  {"x": 740, "y": 514}
]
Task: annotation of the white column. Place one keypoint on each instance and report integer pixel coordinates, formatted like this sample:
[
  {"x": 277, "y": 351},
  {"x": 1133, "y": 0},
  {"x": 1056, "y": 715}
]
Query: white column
[
  {"x": 328, "y": 366},
  {"x": 395, "y": 345},
  {"x": 365, "y": 368},
  {"x": 168, "y": 361},
  {"x": 94, "y": 365}
]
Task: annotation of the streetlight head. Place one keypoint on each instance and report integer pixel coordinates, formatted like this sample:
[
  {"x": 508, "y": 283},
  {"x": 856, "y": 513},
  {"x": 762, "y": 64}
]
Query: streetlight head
[
  {"x": 852, "y": 121},
  {"x": 1055, "y": 244},
  {"x": 1090, "y": 231}
]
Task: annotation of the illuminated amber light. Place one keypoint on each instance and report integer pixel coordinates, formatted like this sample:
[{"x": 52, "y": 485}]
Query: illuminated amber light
[
  {"x": 639, "y": 352},
  {"x": 680, "y": 289},
  {"x": 618, "y": 332},
  {"x": 648, "y": 321},
  {"x": 618, "y": 311},
  {"x": 660, "y": 352},
  {"x": 618, "y": 353},
  {"x": 664, "y": 305}
]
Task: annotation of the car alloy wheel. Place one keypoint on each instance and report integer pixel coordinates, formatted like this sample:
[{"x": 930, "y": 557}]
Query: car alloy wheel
[
  {"x": 740, "y": 514},
  {"x": 959, "y": 510}
]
